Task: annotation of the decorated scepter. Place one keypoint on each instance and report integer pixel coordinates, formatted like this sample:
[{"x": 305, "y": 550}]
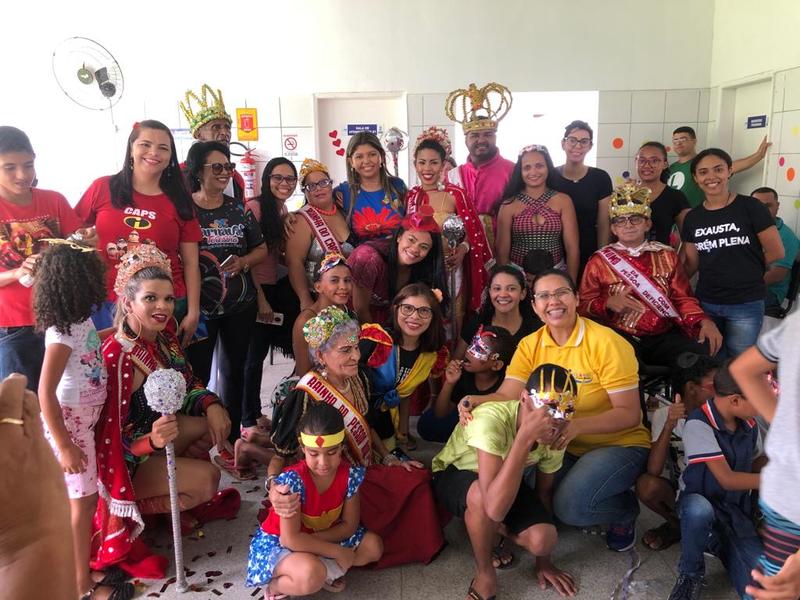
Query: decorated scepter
[
  {"x": 165, "y": 390},
  {"x": 453, "y": 232},
  {"x": 395, "y": 140}
]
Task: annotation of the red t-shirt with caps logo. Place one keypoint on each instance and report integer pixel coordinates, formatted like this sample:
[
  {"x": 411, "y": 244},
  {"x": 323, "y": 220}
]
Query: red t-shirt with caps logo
[
  {"x": 150, "y": 219},
  {"x": 22, "y": 228}
]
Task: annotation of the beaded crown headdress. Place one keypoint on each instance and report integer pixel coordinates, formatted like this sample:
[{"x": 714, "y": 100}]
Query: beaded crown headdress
[
  {"x": 437, "y": 134},
  {"x": 331, "y": 260},
  {"x": 318, "y": 330},
  {"x": 544, "y": 391},
  {"x": 210, "y": 106},
  {"x": 138, "y": 258},
  {"x": 480, "y": 108},
  {"x": 311, "y": 165},
  {"x": 630, "y": 199}
]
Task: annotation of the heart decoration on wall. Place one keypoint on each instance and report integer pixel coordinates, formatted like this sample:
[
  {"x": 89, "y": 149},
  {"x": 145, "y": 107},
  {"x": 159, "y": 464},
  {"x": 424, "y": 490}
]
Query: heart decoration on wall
[
  {"x": 340, "y": 152},
  {"x": 333, "y": 134},
  {"x": 337, "y": 142}
]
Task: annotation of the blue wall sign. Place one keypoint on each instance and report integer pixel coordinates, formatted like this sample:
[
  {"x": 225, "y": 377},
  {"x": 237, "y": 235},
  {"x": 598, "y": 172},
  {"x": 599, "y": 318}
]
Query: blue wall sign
[
  {"x": 354, "y": 128},
  {"x": 756, "y": 121}
]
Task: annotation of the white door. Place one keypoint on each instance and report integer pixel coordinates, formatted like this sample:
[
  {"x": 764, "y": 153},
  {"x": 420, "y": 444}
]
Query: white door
[
  {"x": 334, "y": 115},
  {"x": 751, "y": 100}
]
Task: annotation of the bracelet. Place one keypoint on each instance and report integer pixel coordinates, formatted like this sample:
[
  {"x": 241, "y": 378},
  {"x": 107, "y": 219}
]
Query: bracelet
[
  {"x": 387, "y": 460},
  {"x": 268, "y": 482},
  {"x": 153, "y": 446}
]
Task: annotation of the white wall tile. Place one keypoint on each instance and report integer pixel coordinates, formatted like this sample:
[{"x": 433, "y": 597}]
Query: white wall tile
[
  {"x": 775, "y": 125},
  {"x": 791, "y": 97},
  {"x": 648, "y": 106},
  {"x": 713, "y": 104},
  {"x": 788, "y": 211},
  {"x": 414, "y": 109},
  {"x": 616, "y": 167},
  {"x": 778, "y": 87},
  {"x": 433, "y": 110},
  {"x": 297, "y": 111},
  {"x": 644, "y": 132},
  {"x": 614, "y": 107},
  {"x": 607, "y": 133},
  {"x": 789, "y": 142},
  {"x": 682, "y": 105},
  {"x": 703, "y": 105},
  {"x": 788, "y": 176},
  {"x": 771, "y": 166}
]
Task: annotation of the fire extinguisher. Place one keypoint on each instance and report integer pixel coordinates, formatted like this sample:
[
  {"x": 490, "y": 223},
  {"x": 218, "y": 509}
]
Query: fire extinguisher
[{"x": 248, "y": 172}]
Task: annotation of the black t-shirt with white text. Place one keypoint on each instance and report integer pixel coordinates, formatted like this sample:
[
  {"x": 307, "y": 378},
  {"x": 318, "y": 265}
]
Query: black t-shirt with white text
[
  {"x": 665, "y": 209},
  {"x": 731, "y": 269}
]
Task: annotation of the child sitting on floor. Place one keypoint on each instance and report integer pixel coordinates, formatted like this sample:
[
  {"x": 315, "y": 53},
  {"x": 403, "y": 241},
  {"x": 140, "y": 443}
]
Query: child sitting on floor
[
  {"x": 722, "y": 442},
  {"x": 312, "y": 550},
  {"x": 480, "y": 372},
  {"x": 498, "y": 474},
  {"x": 693, "y": 382},
  {"x": 778, "y": 574}
]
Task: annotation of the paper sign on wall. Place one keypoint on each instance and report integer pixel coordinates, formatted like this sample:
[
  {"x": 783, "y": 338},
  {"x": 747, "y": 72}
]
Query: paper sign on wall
[
  {"x": 247, "y": 124},
  {"x": 756, "y": 121}
]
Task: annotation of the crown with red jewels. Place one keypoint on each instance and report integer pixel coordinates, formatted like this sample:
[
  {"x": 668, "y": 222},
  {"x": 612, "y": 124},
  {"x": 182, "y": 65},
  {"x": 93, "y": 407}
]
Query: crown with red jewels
[
  {"x": 478, "y": 108},
  {"x": 630, "y": 199},
  {"x": 437, "y": 134},
  {"x": 134, "y": 260}
]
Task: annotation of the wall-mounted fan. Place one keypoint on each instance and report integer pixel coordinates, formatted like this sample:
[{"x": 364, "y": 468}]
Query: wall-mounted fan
[{"x": 87, "y": 73}]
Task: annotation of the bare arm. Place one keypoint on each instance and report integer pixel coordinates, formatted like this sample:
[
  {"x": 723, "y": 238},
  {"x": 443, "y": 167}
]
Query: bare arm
[
  {"x": 351, "y": 514},
  {"x": 55, "y": 361},
  {"x": 775, "y": 274},
  {"x": 443, "y": 406},
  {"x": 659, "y": 450},
  {"x": 190, "y": 258},
  {"x": 361, "y": 303},
  {"x": 732, "y": 480},
  {"x": 256, "y": 255},
  {"x": 771, "y": 244},
  {"x": 302, "y": 362},
  {"x": 603, "y": 222},
  {"x": 12, "y": 276},
  {"x": 503, "y": 242},
  {"x": 298, "y": 541},
  {"x": 625, "y": 412},
  {"x": 570, "y": 235},
  {"x": 297, "y": 247},
  {"x": 691, "y": 259},
  {"x": 749, "y": 370},
  {"x": 508, "y": 390},
  {"x": 742, "y": 164}
]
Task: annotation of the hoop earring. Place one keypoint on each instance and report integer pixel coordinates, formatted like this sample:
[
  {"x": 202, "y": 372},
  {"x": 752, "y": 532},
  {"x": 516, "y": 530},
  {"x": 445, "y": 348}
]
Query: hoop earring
[{"x": 125, "y": 341}]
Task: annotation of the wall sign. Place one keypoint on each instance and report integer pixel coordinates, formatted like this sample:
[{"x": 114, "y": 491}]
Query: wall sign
[
  {"x": 756, "y": 121},
  {"x": 247, "y": 124},
  {"x": 354, "y": 128}
]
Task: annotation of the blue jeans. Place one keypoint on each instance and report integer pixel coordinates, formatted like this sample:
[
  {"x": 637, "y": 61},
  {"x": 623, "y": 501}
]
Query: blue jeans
[
  {"x": 739, "y": 325},
  {"x": 595, "y": 488},
  {"x": 701, "y": 531},
  {"x": 436, "y": 429},
  {"x": 21, "y": 351}
]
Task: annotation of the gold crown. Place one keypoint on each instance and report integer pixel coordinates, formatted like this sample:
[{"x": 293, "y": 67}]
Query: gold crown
[
  {"x": 206, "y": 112},
  {"x": 477, "y": 111},
  {"x": 141, "y": 256},
  {"x": 630, "y": 199},
  {"x": 310, "y": 166}
]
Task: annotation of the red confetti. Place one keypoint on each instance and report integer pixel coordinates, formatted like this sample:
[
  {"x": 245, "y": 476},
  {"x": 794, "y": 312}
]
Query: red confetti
[
  {"x": 228, "y": 551},
  {"x": 211, "y": 554},
  {"x": 213, "y": 573},
  {"x": 194, "y": 559},
  {"x": 256, "y": 592},
  {"x": 217, "y": 592},
  {"x": 228, "y": 585}
]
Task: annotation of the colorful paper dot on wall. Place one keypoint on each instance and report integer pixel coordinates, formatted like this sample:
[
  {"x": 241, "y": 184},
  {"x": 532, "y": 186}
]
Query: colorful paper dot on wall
[
  {"x": 781, "y": 161},
  {"x": 617, "y": 142},
  {"x": 797, "y": 203},
  {"x": 790, "y": 174},
  {"x": 618, "y": 181},
  {"x": 626, "y": 174},
  {"x": 795, "y": 130}
]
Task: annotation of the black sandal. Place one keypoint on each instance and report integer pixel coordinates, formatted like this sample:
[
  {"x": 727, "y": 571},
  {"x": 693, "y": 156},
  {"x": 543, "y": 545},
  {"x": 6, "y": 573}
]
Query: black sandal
[
  {"x": 504, "y": 558},
  {"x": 121, "y": 591},
  {"x": 662, "y": 537},
  {"x": 473, "y": 594}
]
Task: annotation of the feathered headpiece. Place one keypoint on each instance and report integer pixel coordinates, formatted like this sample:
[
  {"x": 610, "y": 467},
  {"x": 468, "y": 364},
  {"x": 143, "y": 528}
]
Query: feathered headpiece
[
  {"x": 310, "y": 166},
  {"x": 437, "y": 134},
  {"x": 209, "y": 107},
  {"x": 630, "y": 199},
  {"x": 318, "y": 330},
  {"x": 478, "y": 110},
  {"x": 421, "y": 220},
  {"x": 136, "y": 259}
]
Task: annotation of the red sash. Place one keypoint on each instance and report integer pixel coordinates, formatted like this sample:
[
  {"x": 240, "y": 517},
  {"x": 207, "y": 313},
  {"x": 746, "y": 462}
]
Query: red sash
[
  {"x": 645, "y": 288},
  {"x": 321, "y": 230},
  {"x": 358, "y": 436}
]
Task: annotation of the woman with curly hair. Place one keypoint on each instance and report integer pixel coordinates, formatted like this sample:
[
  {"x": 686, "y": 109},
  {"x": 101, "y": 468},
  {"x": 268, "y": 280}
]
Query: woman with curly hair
[{"x": 72, "y": 390}]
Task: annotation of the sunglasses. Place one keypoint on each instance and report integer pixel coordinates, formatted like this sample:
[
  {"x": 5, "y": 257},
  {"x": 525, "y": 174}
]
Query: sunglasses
[{"x": 218, "y": 168}]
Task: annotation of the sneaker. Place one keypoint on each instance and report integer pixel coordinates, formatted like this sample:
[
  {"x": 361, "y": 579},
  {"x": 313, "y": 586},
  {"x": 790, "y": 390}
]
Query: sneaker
[
  {"x": 686, "y": 588},
  {"x": 620, "y": 537}
]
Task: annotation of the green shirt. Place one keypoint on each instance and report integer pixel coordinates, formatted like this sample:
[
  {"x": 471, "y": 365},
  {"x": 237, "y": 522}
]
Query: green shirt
[
  {"x": 790, "y": 247},
  {"x": 681, "y": 179},
  {"x": 492, "y": 429}
]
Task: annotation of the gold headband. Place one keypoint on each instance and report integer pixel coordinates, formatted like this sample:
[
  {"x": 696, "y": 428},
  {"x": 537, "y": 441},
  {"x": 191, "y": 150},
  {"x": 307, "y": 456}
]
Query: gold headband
[
  {"x": 322, "y": 441},
  {"x": 310, "y": 166},
  {"x": 68, "y": 242}
]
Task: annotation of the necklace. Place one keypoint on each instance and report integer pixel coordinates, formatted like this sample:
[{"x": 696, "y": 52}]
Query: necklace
[
  {"x": 731, "y": 198},
  {"x": 328, "y": 212}
]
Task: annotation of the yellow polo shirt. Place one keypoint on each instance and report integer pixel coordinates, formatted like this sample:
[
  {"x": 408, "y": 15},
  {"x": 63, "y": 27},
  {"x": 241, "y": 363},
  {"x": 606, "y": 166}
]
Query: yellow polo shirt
[
  {"x": 492, "y": 429},
  {"x": 601, "y": 361}
]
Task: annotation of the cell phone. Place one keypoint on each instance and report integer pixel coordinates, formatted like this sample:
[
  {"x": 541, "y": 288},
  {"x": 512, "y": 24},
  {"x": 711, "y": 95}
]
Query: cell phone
[
  {"x": 227, "y": 261},
  {"x": 277, "y": 319}
]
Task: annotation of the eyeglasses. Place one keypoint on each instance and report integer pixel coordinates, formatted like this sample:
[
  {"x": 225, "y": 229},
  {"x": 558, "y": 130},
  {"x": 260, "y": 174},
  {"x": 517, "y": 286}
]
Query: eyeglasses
[
  {"x": 279, "y": 179},
  {"x": 573, "y": 141},
  {"x": 649, "y": 162},
  {"x": 680, "y": 140},
  {"x": 218, "y": 168},
  {"x": 632, "y": 219},
  {"x": 558, "y": 294},
  {"x": 321, "y": 184},
  {"x": 407, "y": 310}
]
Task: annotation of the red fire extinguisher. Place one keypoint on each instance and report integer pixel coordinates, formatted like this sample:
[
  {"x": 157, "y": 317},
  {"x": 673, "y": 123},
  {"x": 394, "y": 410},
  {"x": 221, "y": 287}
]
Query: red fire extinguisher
[{"x": 248, "y": 171}]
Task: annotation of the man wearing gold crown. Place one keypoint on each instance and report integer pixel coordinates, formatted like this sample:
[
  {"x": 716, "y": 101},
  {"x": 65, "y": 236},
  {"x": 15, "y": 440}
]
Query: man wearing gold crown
[
  {"x": 485, "y": 174},
  {"x": 210, "y": 122},
  {"x": 640, "y": 288}
]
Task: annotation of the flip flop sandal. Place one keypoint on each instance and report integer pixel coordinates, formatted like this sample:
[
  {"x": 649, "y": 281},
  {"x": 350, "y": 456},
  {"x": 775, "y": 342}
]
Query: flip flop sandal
[
  {"x": 504, "y": 558},
  {"x": 473, "y": 594},
  {"x": 664, "y": 536},
  {"x": 335, "y": 586},
  {"x": 240, "y": 473}
]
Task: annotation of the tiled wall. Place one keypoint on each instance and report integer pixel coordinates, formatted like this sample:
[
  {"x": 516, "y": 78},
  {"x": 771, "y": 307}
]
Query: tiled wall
[
  {"x": 783, "y": 162},
  {"x": 627, "y": 119},
  {"x": 425, "y": 110}
]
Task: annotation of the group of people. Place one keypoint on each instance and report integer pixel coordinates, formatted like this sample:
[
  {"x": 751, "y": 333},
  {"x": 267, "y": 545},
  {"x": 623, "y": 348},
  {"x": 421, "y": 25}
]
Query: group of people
[{"x": 512, "y": 305}]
